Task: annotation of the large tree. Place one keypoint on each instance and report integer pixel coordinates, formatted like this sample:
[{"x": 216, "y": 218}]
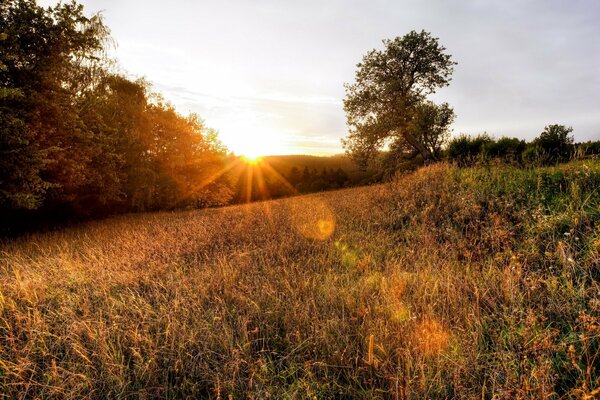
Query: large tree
[
  {"x": 77, "y": 138},
  {"x": 47, "y": 57},
  {"x": 387, "y": 104}
]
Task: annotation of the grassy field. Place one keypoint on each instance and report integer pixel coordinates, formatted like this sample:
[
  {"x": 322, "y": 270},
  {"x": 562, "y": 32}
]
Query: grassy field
[{"x": 446, "y": 283}]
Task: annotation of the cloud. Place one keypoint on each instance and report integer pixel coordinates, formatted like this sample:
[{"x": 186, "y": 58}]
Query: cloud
[{"x": 279, "y": 66}]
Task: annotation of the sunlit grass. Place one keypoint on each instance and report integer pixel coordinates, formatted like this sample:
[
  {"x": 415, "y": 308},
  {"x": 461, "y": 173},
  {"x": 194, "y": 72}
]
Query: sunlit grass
[{"x": 448, "y": 283}]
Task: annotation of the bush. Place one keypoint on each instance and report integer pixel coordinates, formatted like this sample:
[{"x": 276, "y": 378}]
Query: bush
[
  {"x": 587, "y": 149},
  {"x": 554, "y": 145},
  {"x": 467, "y": 150},
  {"x": 508, "y": 149}
]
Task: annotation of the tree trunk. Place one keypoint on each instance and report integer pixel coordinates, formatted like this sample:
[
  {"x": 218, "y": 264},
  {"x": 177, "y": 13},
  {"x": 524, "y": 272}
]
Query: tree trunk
[{"x": 428, "y": 156}]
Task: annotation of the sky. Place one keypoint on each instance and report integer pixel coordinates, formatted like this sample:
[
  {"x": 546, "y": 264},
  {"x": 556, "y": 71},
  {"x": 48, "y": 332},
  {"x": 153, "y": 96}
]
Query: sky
[{"x": 269, "y": 74}]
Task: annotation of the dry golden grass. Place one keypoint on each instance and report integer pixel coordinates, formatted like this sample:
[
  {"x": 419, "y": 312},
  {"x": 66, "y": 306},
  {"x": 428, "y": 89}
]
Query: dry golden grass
[{"x": 433, "y": 287}]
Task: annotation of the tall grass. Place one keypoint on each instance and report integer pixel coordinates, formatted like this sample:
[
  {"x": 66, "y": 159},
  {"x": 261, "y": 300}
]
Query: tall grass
[{"x": 447, "y": 283}]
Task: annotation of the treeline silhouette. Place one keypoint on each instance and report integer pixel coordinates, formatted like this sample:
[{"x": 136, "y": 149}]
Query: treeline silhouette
[
  {"x": 79, "y": 139},
  {"x": 281, "y": 176},
  {"x": 554, "y": 145}
]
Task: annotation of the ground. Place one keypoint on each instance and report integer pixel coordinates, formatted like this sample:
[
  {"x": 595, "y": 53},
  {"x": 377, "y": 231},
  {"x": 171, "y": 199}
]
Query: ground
[{"x": 446, "y": 283}]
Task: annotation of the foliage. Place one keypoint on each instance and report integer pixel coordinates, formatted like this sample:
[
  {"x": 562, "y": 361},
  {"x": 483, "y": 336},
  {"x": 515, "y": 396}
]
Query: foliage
[
  {"x": 44, "y": 57},
  {"x": 77, "y": 139},
  {"x": 588, "y": 148},
  {"x": 387, "y": 103},
  {"x": 465, "y": 150},
  {"x": 507, "y": 149},
  {"x": 555, "y": 144}
]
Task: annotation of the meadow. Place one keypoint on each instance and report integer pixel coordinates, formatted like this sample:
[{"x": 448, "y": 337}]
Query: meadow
[{"x": 445, "y": 283}]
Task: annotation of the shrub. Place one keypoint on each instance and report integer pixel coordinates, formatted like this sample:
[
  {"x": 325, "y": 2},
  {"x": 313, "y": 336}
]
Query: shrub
[
  {"x": 508, "y": 149},
  {"x": 587, "y": 149},
  {"x": 466, "y": 150}
]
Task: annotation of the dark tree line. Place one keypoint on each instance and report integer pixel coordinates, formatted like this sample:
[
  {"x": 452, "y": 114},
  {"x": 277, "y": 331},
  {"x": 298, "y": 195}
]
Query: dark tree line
[
  {"x": 264, "y": 181},
  {"x": 554, "y": 145},
  {"x": 76, "y": 138},
  {"x": 313, "y": 180}
]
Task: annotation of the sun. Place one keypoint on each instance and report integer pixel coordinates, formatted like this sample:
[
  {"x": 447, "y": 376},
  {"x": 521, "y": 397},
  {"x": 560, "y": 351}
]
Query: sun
[
  {"x": 253, "y": 142},
  {"x": 254, "y": 151},
  {"x": 252, "y": 160},
  {"x": 254, "y": 148}
]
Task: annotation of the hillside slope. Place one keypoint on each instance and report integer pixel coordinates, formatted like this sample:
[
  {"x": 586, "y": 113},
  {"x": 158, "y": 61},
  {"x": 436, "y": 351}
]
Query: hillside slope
[{"x": 447, "y": 283}]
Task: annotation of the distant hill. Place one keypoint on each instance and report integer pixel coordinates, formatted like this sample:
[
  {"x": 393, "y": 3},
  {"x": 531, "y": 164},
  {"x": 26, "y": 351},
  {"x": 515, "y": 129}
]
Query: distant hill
[
  {"x": 280, "y": 176},
  {"x": 284, "y": 164}
]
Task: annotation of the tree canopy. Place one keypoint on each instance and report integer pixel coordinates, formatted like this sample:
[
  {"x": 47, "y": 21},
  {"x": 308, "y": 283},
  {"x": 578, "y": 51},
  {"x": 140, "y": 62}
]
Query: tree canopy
[
  {"x": 387, "y": 104},
  {"x": 555, "y": 143},
  {"x": 79, "y": 138}
]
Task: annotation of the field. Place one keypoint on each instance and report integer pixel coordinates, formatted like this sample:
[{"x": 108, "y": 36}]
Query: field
[{"x": 446, "y": 283}]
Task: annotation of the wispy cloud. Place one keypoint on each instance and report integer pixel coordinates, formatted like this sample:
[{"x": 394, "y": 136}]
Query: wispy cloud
[{"x": 277, "y": 68}]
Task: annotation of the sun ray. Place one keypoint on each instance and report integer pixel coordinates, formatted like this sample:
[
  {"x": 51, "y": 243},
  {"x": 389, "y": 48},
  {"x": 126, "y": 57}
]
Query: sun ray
[
  {"x": 264, "y": 192},
  {"x": 265, "y": 164},
  {"x": 213, "y": 177},
  {"x": 249, "y": 173}
]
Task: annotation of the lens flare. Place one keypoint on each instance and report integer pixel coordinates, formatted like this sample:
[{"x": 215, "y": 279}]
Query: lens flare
[{"x": 312, "y": 218}]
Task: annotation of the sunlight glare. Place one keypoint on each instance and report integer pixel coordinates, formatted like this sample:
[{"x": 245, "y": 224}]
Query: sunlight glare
[
  {"x": 252, "y": 141},
  {"x": 312, "y": 218},
  {"x": 251, "y": 159}
]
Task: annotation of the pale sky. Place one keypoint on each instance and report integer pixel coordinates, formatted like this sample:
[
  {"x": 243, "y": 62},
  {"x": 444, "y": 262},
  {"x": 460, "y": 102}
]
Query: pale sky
[{"x": 269, "y": 74}]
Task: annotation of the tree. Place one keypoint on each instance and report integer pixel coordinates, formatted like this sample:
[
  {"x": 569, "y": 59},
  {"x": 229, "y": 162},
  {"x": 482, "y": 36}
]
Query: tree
[
  {"x": 340, "y": 177},
  {"x": 387, "y": 103},
  {"x": 294, "y": 176},
  {"x": 78, "y": 139},
  {"x": 115, "y": 111},
  {"x": 46, "y": 60},
  {"x": 429, "y": 127},
  {"x": 555, "y": 144},
  {"x": 508, "y": 149},
  {"x": 20, "y": 160}
]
